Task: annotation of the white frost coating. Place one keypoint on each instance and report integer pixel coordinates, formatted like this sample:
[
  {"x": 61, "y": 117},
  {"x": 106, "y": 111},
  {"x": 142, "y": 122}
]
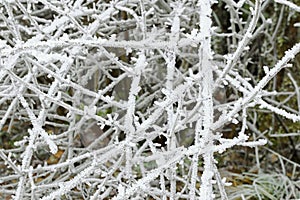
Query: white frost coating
[
  {"x": 289, "y": 54},
  {"x": 170, "y": 57},
  {"x": 266, "y": 69},
  {"x": 255, "y": 143},
  {"x": 159, "y": 109},
  {"x": 121, "y": 191},
  {"x": 67, "y": 186},
  {"x": 291, "y": 116},
  {"x": 242, "y": 44},
  {"x": 52, "y": 146},
  {"x": 203, "y": 136},
  {"x": 100, "y": 18},
  {"x": 130, "y": 114},
  {"x": 289, "y": 4}
]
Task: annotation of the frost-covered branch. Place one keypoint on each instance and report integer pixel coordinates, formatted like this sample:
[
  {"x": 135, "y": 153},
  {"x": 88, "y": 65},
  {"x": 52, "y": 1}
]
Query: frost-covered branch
[{"x": 138, "y": 99}]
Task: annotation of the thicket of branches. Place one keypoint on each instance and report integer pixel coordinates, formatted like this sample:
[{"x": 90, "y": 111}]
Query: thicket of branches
[{"x": 141, "y": 99}]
